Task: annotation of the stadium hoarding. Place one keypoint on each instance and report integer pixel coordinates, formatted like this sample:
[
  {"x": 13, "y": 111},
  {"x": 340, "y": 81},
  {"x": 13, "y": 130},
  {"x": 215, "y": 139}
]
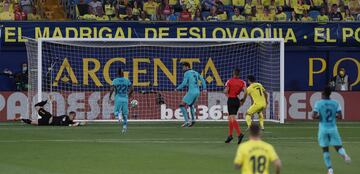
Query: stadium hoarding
[
  {"x": 299, "y": 106},
  {"x": 294, "y": 34}
]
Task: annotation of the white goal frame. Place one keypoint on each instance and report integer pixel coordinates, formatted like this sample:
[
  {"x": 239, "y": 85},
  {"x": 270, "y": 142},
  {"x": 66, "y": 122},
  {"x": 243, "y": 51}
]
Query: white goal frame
[{"x": 282, "y": 63}]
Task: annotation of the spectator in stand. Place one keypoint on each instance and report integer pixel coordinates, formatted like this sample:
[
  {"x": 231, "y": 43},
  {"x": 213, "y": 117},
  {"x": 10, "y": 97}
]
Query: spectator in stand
[
  {"x": 207, "y": 4},
  {"x": 254, "y": 15},
  {"x": 317, "y": 4},
  {"x": 238, "y": 4},
  {"x": 293, "y": 17},
  {"x": 185, "y": 15},
  {"x": 348, "y": 16},
  {"x": 197, "y": 15},
  {"x": 346, "y": 3},
  {"x": 291, "y": 4},
  {"x": 354, "y": 6},
  {"x": 299, "y": 9},
  {"x": 26, "y": 6},
  {"x": 9, "y": 5},
  {"x": 335, "y": 15},
  {"x": 109, "y": 9},
  {"x": 1, "y": 6},
  {"x": 266, "y": 15},
  {"x": 172, "y": 16},
  {"x": 173, "y": 3},
  {"x": 143, "y": 16},
  {"x": 19, "y": 14},
  {"x": 237, "y": 15},
  {"x": 228, "y": 2},
  {"x": 306, "y": 17},
  {"x": 280, "y": 3},
  {"x": 165, "y": 9},
  {"x": 272, "y": 8},
  {"x": 93, "y": 6},
  {"x": 219, "y": 6},
  {"x": 150, "y": 7},
  {"x": 247, "y": 8},
  {"x": 322, "y": 17},
  {"x": 33, "y": 16},
  {"x": 101, "y": 15},
  {"x": 254, "y": 3},
  {"x": 331, "y": 2},
  {"x": 265, "y": 3},
  {"x": 280, "y": 16},
  {"x": 6, "y": 15},
  {"x": 136, "y": 9},
  {"x": 259, "y": 8},
  {"x": 120, "y": 7},
  {"x": 213, "y": 15},
  {"x": 159, "y": 15},
  {"x": 129, "y": 15},
  {"x": 90, "y": 15},
  {"x": 191, "y": 5}
]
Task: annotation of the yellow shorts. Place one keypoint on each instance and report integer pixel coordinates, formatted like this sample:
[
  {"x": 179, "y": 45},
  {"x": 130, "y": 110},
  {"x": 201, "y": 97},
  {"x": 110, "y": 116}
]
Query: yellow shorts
[{"x": 255, "y": 108}]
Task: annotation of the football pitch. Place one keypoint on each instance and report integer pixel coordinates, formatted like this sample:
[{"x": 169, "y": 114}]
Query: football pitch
[{"x": 161, "y": 148}]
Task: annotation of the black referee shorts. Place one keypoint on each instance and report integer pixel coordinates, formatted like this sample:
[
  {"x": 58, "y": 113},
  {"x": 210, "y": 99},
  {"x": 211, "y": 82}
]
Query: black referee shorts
[{"x": 233, "y": 105}]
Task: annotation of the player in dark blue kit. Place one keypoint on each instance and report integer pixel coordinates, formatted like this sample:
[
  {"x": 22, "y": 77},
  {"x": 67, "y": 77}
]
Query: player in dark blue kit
[
  {"x": 327, "y": 111},
  {"x": 191, "y": 80},
  {"x": 123, "y": 89}
]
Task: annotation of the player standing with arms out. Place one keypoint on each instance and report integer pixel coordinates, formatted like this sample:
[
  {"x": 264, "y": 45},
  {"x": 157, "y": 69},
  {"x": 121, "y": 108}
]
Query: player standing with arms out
[
  {"x": 123, "y": 89},
  {"x": 233, "y": 87},
  {"x": 259, "y": 98},
  {"x": 327, "y": 111},
  {"x": 191, "y": 80},
  {"x": 255, "y": 155}
]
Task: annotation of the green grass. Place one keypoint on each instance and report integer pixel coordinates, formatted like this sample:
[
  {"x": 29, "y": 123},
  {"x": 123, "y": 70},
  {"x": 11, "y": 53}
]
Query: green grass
[{"x": 160, "y": 148}]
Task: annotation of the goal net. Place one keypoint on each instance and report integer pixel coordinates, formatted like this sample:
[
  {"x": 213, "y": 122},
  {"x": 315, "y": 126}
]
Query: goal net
[{"x": 78, "y": 74}]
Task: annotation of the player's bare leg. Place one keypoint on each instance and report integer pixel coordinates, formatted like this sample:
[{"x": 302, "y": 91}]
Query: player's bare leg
[
  {"x": 343, "y": 154},
  {"x": 261, "y": 120},
  {"x": 185, "y": 115}
]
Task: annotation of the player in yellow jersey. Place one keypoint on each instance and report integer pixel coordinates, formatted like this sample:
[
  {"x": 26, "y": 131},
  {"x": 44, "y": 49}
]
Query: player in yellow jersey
[
  {"x": 259, "y": 100},
  {"x": 255, "y": 155}
]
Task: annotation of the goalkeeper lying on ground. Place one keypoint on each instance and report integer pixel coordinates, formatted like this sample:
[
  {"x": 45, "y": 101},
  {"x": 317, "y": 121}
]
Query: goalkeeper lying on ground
[{"x": 47, "y": 119}]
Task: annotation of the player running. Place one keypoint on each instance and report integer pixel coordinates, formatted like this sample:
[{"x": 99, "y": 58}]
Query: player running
[
  {"x": 191, "y": 79},
  {"x": 259, "y": 101},
  {"x": 327, "y": 111},
  {"x": 233, "y": 87},
  {"x": 123, "y": 89},
  {"x": 255, "y": 155}
]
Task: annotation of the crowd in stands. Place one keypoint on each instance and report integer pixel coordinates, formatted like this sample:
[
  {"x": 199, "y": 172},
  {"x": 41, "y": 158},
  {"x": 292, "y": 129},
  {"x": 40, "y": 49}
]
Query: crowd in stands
[
  {"x": 18, "y": 10},
  {"x": 195, "y": 10},
  {"x": 222, "y": 10}
]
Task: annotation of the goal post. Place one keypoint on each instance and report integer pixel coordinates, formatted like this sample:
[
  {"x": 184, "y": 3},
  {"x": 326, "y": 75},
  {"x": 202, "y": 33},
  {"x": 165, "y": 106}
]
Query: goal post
[{"x": 78, "y": 72}]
